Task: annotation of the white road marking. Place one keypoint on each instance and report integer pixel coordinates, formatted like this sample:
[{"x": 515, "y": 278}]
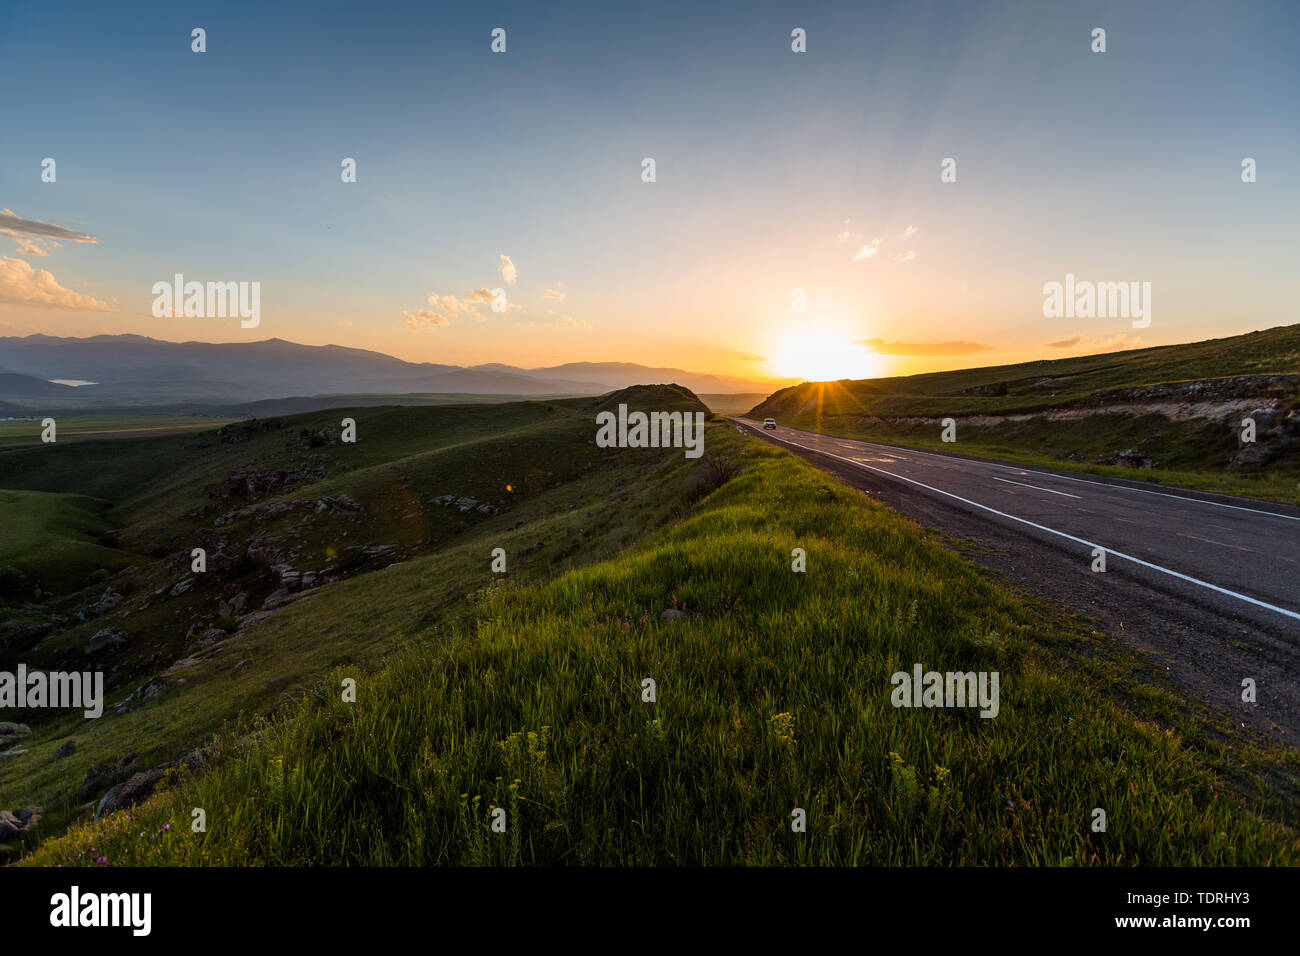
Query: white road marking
[
  {"x": 1221, "y": 544},
  {"x": 1091, "y": 544},
  {"x": 1035, "y": 487},
  {"x": 1103, "y": 484}
]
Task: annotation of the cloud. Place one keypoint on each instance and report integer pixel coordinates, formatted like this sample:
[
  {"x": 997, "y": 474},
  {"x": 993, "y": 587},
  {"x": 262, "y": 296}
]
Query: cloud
[
  {"x": 868, "y": 251},
  {"x": 909, "y": 232},
  {"x": 11, "y": 222},
  {"x": 881, "y": 347},
  {"x": 508, "y": 271},
  {"x": 746, "y": 357},
  {"x": 28, "y": 246},
  {"x": 424, "y": 318},
  {"x": 452, "y": 305},
  {"x": 907, "y": 256},
  {"x": 20, "y": 284},
  {"x": 1069, "y": 343},
  {"x": 842, "y": 236},
  {"x": 552, "y": 294},
  {"x": 1116, "y": 342},
  {"x": 455, "y": 307}
]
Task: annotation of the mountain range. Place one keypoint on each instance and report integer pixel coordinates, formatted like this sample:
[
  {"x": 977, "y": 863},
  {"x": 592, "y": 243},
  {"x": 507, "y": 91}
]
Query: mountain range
[{"x": 132, "y": 370}]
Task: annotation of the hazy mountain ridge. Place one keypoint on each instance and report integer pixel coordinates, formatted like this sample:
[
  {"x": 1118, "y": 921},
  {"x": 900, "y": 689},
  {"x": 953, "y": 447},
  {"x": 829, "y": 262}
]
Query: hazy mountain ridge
[{"x": 136, "y": 370}]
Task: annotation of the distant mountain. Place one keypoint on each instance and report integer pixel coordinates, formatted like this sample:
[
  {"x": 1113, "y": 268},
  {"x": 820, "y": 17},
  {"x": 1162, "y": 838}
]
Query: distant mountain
[
  {"x": 136, "y": 370},
  {"x": 622, "y": 374}
]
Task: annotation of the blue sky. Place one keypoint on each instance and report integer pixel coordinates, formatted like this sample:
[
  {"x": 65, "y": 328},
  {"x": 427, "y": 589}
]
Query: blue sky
[{"x": 773, "y": 169}]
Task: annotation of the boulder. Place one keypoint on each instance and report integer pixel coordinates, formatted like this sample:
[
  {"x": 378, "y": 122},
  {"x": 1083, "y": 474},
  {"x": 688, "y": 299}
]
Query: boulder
[
  {"x": 128, "y": 794},
  {"x": 108, "y": 637},
  {"x": 103, "y": 775},
  {"x": 9, "y": 732},
  {"x": 12, "y": 824},
  {"x": 141, "y": 785}
]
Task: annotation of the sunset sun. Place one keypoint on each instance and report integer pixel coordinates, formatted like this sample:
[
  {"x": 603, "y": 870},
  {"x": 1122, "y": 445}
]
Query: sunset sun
[{"x": 823, "y": 357}]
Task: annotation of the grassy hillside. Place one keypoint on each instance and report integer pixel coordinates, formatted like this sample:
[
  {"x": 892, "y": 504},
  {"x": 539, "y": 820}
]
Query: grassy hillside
[
  {"x": 773, "y": 693},
  {"x": 371, "y": 521},
  {"x": 51, "y": 538},
  {"x": 1170, "y": 414}
]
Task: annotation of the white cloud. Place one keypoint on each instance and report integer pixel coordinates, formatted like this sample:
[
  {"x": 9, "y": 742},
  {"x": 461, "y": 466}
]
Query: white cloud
[
  {"x": 424, "y": 318},
  {"x": 907, "y": 256},
  {"x": 909, "y": 232},
  {"x": 21, "y": 284},
  {"x": 552, "y": 294},
  {"x": 869, "y": 250},
  {"x": 508, "y": 271}
]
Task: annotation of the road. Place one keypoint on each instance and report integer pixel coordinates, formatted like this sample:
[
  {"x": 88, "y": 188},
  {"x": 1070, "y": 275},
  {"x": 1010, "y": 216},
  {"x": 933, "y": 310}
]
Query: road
[{"x": 1210, "y": 583}]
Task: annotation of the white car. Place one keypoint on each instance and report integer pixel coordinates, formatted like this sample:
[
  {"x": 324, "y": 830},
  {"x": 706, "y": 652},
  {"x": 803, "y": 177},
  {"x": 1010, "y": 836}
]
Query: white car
[{"x": 769, "y": 423}]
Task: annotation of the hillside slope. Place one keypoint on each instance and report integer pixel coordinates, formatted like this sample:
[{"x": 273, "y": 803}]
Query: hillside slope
[
  {"x": 772, "y": 693},
  {"x": 287, "y": 514}
]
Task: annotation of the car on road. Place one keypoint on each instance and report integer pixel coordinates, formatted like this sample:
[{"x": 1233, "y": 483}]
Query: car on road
[{"x": 769, "y": 423}]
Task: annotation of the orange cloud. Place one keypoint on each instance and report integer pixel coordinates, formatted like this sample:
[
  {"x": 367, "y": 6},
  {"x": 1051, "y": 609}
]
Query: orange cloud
[
  {"x": 881, "y": 347},
  {"x": 21, "y": 284}
]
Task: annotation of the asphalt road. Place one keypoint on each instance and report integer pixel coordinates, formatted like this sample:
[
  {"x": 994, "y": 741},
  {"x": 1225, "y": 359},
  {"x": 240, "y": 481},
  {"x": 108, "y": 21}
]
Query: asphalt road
[{"x": 1210, "y": 583}]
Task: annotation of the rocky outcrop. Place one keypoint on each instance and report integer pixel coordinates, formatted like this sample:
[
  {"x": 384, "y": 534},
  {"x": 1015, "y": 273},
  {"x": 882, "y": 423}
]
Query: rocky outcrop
[
  {"x": 139, "y": 787},
  {"x": 15, "y": 635},
  {"x": 11, "y": 733},
  {"x": 12, "y": 824},
  {"x": 108, "y": 637},
  {"x": 105, "y": 775}
]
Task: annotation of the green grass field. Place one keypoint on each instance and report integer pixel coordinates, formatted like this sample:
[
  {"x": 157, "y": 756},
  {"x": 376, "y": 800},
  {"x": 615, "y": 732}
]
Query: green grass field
[
  {"x": 83, "y": 426},
  {"x": 47, "y": 539},
  {"x": 524, "y": 692}
]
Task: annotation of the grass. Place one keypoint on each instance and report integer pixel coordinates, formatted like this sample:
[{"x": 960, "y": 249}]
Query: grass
[
  {"x": 772, "y": 694},
  {"x": 80, "y": 427},
  {"x": 404, "y": 458},
  {"x": 48, "y": 538}
]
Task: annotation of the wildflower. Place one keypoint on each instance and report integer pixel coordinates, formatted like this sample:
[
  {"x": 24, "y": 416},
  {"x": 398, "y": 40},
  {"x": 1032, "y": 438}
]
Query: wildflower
[{"x": 783, "y": 727}]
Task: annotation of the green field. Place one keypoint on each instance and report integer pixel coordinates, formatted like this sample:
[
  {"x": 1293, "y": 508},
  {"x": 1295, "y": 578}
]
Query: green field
[
  {"x": 732, "y": 404},
  {"x": 81, "y": 427},
  {"x": 1080, "y": 413},
  {"x": 524, "y": 690},
  {"x": 48, "y": 539}
]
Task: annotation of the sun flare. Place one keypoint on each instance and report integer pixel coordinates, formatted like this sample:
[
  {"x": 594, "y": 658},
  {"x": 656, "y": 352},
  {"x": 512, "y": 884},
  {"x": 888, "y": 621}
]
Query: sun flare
[{"x": 823, "y": 357}]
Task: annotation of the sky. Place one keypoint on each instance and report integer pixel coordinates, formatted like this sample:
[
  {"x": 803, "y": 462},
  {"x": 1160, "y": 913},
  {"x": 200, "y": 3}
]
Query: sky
[{"x": 775, "y": 171}]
